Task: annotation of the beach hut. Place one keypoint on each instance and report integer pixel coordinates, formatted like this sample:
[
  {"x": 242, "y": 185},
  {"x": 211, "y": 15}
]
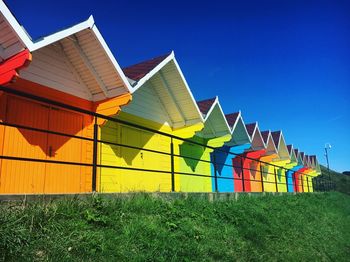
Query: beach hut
[
  {"x": 294, "y": 172},
  {"x": 316, "y": 170},
  {"x": 268, "y": 170},
  {"x": 223, "y": 156},
  {"x": 135, "y": 158},
  {"x": 282, "y": 161},
  {"x": 289, "y": 167},
  {"x": 42, "y": 145},
  {"x": 301, "y": 173},
  {"x": 196, "y": 158},
  {"x": 246, "y": 165}
]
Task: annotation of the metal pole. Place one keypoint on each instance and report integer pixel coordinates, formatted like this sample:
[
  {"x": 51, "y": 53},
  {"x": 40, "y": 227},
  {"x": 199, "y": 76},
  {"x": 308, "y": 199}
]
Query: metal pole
[
  {"x": 94, "y": 156},
  {"x": 327, "y": 157},
  {"x": 329, "y": 173},
  {"x": 302, "y": 182},
  {"x": 172, "y": 165},
  {"x": 215, "y": 173},
  {"x": 243, "y": 185},
  {"x": 274, "y": 169},
  {"x": 262, "y": 178}
]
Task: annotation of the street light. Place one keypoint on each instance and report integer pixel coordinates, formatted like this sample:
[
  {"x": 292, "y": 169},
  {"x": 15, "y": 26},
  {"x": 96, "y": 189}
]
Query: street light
[{"x": 327, "y": 147}]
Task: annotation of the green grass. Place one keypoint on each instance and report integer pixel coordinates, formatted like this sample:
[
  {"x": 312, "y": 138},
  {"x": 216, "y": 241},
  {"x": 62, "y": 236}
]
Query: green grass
[
  {"x": 303, "y": 227},
  {"x": 341, "y": 181}
]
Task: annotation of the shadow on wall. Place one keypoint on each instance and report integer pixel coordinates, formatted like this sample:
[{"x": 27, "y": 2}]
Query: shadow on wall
[
  {"x": 114, "y": 132},
  {"x": 26, "y": 113},
  {"x": 192, "y": 153},
  {"x": 220, "y": 158}
]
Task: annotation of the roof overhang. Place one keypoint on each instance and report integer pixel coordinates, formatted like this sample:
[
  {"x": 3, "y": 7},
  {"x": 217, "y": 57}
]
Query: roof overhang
[
  {"x": 270, "y": 145},
  {"x": 215, "y": 123},
  {"x": 281, "y": 146},
  {"x": 257, "y": 142},
  {"x": 173, "y": 91},
  {"x": 83, "y": 46},
  {"x": 239, "y": 132}
]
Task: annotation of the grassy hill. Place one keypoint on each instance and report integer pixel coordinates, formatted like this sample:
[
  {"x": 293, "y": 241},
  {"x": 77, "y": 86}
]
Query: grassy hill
[
  {"x": 341, "y": 181},
  {"x": 301, "y": 227}
]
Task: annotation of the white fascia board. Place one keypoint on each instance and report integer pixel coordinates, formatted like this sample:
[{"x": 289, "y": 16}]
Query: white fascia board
[
  {"x": 223, "y": 116},
  {"x": 217, "y": 103},
  {"x": 273, "y": 142},
  {"x": 211, "y": 109},
  {"x": 111, "y": 57},
  {"x": 245, "y": 128},
  {"x": 47, "y": 40},
  {"x": 155, "y": 70},
  {"x": 268, "y": 137},
  {"x": 284, "y": 142},
  {"x": 236, "y": 123},
  {"x": 188, "y": 89},
  {"x": 17, "y": 28},
  {"x": 257, "y": 129},
  {"x": 88, "y": 24}
]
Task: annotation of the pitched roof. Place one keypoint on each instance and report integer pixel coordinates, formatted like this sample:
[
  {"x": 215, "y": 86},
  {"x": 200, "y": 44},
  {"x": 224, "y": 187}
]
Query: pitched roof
[
  {"x": 296, "y": 151},
  {"x": 139, "y": 70},
  {"x": 313, "y": 159},
  {"x": 250, "y": 128},
  {"x": 265, "y": 136},
  {"x": 205, "y": 105},
  {"x": 232, "y": 118},
  {"x": 289, "y": 147},
  {"x": 276, "y": 137}
]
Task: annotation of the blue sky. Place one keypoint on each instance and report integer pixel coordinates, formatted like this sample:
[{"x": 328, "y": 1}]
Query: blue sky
[{"x": 285, "y": 64}]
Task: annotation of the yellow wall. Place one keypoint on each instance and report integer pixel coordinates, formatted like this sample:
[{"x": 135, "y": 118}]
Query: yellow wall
[
  {"x": 198, "y": 183},
  {"x": 268, "y": 173},
  {"x": 281, "y": 174},
  {"x": 121, "y": 180}
]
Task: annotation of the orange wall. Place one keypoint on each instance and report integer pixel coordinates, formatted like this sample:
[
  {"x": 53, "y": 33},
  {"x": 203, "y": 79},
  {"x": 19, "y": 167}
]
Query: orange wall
[{"x": 32, "y": 177}]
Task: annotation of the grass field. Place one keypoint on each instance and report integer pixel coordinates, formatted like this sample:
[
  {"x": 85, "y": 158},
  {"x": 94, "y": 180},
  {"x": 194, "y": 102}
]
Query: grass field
[
  {"x": 341, "y": 181},
  {"x": 303, "y": 227}
]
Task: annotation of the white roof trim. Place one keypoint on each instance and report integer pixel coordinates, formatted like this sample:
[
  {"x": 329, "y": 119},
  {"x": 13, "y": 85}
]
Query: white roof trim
[
  {"x": 50, "y": 39},
  {"x": 268, "y": 139},
  {"x": 217, "y": 103},
  {"x": 47, "y": 40},
  {"x": 292, "y": 153},
  {"x": 155, "y": 70},
  {"x": 17, "y": 28},
  {"x": 258, "y": 129},
  {"x": 188, "y": 89},
  {"x": 111, "y": 57},
  {"x": 170, "y": 57},
  {"x": 236, "y": 123}
]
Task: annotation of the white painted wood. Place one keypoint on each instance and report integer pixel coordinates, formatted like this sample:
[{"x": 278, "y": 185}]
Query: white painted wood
[
  {"x": 146, "y": 104},
  {"x": 95, "y": 44},
  {"x": 49, "y": 68},
  {"x": 90, "y": 67}
]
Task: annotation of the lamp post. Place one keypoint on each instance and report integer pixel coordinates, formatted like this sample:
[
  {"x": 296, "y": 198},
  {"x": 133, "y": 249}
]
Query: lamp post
[{"x": 327, "y": 147}]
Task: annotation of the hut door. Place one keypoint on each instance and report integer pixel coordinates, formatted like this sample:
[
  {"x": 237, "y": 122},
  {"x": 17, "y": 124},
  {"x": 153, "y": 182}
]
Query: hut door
[
  {"x": 64, "y": 178},
  {"x": 18, "y": 176}
]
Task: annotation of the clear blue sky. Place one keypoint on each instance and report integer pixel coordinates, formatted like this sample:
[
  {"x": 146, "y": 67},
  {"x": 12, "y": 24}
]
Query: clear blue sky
[{"x": 284, "y": 63}]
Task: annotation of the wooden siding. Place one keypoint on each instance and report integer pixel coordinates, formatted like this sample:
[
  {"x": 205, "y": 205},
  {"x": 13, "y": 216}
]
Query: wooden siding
[
  {"x": 50, "y": 67},
  {"x": 146, "y": 104}
]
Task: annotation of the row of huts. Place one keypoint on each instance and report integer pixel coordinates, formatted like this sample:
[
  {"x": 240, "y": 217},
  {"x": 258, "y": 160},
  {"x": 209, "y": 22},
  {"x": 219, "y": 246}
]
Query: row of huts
[{"x": 137, "y": 128}]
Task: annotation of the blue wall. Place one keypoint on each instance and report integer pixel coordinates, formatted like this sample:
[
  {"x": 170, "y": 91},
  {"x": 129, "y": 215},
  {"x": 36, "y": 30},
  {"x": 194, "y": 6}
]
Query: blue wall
[
  {"x": 290, "y": 177},
  {"x": 223, "y": 158}
]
